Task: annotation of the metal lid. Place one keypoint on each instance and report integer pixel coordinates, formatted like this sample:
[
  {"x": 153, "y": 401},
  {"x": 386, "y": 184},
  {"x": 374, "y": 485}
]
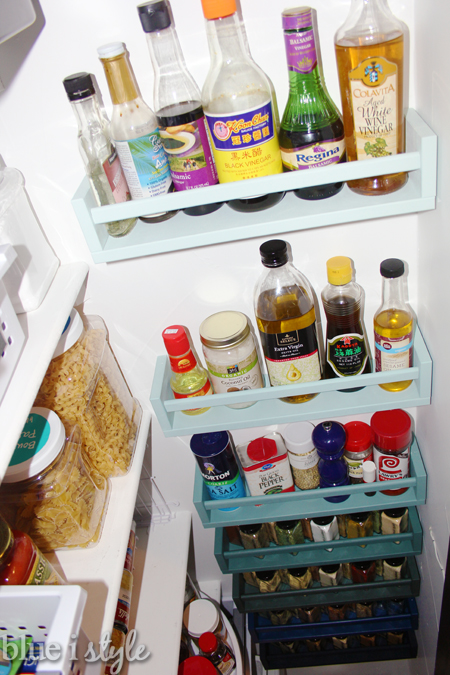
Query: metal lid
[{"x": 224, "y": 329}]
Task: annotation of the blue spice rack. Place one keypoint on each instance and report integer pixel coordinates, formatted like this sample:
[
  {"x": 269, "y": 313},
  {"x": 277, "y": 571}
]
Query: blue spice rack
[
  {"x": 268, "y": 409},
  {"x": 232, "y": 558}
]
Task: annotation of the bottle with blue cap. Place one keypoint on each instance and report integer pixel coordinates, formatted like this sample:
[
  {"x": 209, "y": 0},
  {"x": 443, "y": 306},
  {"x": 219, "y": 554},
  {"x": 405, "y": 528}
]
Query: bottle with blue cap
[
  {"x": 215, "y": 457},
  {"x": 329, "y": 440}
]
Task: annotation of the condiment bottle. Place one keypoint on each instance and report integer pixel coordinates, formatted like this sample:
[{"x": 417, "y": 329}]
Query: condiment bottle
[
  {"x": 392, "y": 436},
  {"x": 299, "y": 578},
  {"x": 230, "y": 354},
  {"x": 134, "y": 129},
  {"x": 363, "y": 571},
  {"x": 196, "y": 665},
  {"x": 214, "y": 454},
  {"x": 268, "y": 581},
  {"x": 254, "y": 536},
  {"x": 217, "y": 652},
  {"x": 394, "y": 521},
  {"x": 347, "y": 351},
  {"x": 286, "y": 318},
  {"x": 99, "y": 155},
  {"x": 394, "y": 568},
  {"x": 370, "y": 55},
  {"x": 177, "y": 102},
  {"x": 364, "y": 609},
  {"x": 189, "y": 378},
  {"x": 336, "y": 612},
  {"x": 360, "y": 525},
  {"x": 288, "y": 532},
  {"x": 21, "y": 562},
  {"x": 358, "y": 449},
  {"x": 395, "y": 606},
  {"x": 340, "y": 641},
  {"x": 309, "y": 614},
  {"x": 329, "y": 439},
  {"x": 238, "y": 104},
  {"x": 393, "y": 325},
  {"x": 312, "y": 131},
  {"x": 302, "y": 455},
  {"x": 330, "y": 575},
  {"x": 280, "y": 617},
  {"x": 325, "y": 528},
  {"x": 266, "y": 465}
]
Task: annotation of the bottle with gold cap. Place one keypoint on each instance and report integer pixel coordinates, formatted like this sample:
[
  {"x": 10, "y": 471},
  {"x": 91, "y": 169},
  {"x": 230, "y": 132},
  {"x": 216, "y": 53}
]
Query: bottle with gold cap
[
  {"x": 347, "y": 350},
  {"x": 134, "y": 129},
  {"x": 239, "y": 106}
]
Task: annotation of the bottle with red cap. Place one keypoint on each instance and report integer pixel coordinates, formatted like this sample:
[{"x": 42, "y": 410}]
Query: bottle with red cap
[
  {"x": 392, "y": 437},
  {"x": 217, "y": 652},
  {"x": 189, "y": 378},
  {"x": 196, "y": 665},
  {"x": 357, "y": 449}
]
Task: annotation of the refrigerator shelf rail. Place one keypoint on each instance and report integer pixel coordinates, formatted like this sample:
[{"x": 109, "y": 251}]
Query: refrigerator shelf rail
[
  {"x": 262, "y": 630},
  {"x": 309, "y": 503},
  {"x": 268, "y": 409},
  {"x": 249, "y": 599},
  {"x": 273, "y": 658},
  {"x": 232, "y": 558},
  {"x": 290, "y": 215}
]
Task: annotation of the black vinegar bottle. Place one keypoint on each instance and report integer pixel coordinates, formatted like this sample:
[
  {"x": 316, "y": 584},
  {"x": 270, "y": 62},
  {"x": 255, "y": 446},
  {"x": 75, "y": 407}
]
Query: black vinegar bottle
[
  {"x": 285, "y": 313},
  {"x": 347, "y": 351},
  {"x": 312, "y": 130}
]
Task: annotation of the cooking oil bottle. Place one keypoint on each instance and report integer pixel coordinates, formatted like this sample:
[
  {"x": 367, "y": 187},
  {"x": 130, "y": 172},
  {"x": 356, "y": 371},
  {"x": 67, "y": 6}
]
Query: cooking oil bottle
[
  {"x": 285, "y": 313},
  {"x": 393, "y": 325}
]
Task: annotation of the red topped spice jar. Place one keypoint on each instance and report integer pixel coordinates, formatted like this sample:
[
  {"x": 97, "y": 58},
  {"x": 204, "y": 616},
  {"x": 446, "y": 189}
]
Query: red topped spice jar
[
  {"x": 357, "y": 449},
  {"x": 392, "y": 437}
]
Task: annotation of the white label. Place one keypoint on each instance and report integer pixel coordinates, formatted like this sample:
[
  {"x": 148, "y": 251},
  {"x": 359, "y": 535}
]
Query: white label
[
  {"x": 304, "y": 461},
  {"x": 325, "y": 532},
  {"x": 274, "y": 476}
]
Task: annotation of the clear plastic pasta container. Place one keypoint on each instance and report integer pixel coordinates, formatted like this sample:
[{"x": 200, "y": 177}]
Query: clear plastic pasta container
[
  {"x": 84, "y": 384},
  {"x": 51, "y": 490}
]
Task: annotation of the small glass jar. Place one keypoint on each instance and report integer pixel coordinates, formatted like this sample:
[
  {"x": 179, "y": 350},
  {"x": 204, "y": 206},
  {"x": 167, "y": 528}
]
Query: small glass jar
[
  {"x": 299, "y": 578},
  {"x": 336, "y": 612},
  {"x": 395, "y": 606},
  {"x": 288, "y": 646},
  {"x": 268, "y": 581},
  {"x": 315, "y": 644},
  {"x": 302, "y": 455},
  {"x": 358, "y": 449},
  {"x": 330, "y": 575},
  {"x": 367, "y": 639},
  {"x": 360, "y": 525},
  {"x": 395, "y": 637},
  {"x": 231, "y": 354},
  {"x": 309, "y": 614},
  {"x": 392, "y": 436},
  {"x": 325, "y": 528},
  {"x": 363, "y": 571},
  {"x": 254, "y": 536},
  {"x": 363, "y": 609},
  {"x": 394, "y": 568},
  {"x": 202, "y": 616},
  {"x": 379, "y": 608},
  {"x": 306, "y": 527},
  {"x": 289, "y": 533},
  {"x": 347, "y": 571},
  {"x": 340, "y": 641},
  {"x": 280, "y": 617},
  {"x": 394, "y": 521}
]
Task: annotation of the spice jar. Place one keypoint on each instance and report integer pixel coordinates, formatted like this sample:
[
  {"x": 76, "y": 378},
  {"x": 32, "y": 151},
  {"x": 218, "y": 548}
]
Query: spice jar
[
  {"x": 329, "y": 439},
  {"x": 254, "y": 536},
  {"x": 266, "y": 465},
  {"x": 280, "y": 617},
  {"x": 394, "y": 568},
  {"x": 394, "y": 637},
  {"x": 367, "y": 640},
  {"x": 299, "y": 578},
  {"x": 358, "y": 449},
  {"x": 363, "y": 609},
  {"x": 231, "y": 354},
  {"x": 392, "y": 437},
  {"x": 202, "y": 616},
  {"x": 287, "y": 647},
  {"x": 215, "y": 458},
  {"x": 395, "y": 606},
  {"x": 394, "y": 521},
  {"x": 196, "y": 665},
  {"x": 330, "y": 575},
  {"x": 359, "y": 525},
  {"x": 363, "y": 571},
  {"x": 306, "y": 527},
  {"x": 51, "y": 491},
  {"x": 84, "y": 385},
  {"x": 309, "y": 614},
  {"x": 288, "y": 533},
  {"x": 315, "y": 644},
  {"x": 268, "y": 581},
  {"x": 346, "y": 570},
  {"x": 302, "y": 455},
  {"x": 336, "y": 612},
  {"x": 325, "y": 528},
  {"x": 379, "y": 608},
  {"x": 340, "y": 641}
]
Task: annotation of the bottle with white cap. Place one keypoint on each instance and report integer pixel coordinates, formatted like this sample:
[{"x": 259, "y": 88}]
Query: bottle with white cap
[
  {"x": 134, "y": 129},
  {"x": 302, "y": 454}
]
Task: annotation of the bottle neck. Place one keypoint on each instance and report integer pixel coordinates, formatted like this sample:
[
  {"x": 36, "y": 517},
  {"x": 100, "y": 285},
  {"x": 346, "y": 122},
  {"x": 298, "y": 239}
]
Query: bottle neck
[
  {"x": 121, "y": 79},
  {"x": 227, "y": 40},
  {"x": 173, "y": 82},
  {"x": 304, "y": 60},
  {"x": 392, "y": 293},
  {"x": 87, "y": 112}
]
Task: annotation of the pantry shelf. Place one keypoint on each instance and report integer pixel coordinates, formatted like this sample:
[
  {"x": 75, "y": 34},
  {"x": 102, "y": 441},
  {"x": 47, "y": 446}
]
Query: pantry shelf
[
  {"x": 308, "y": 503},
  {"x": 291, "y": 214},
  {"x": 270, "y": 410},
  {"x": 232, "y": 558},
  {"x": 42, "y": 329}
]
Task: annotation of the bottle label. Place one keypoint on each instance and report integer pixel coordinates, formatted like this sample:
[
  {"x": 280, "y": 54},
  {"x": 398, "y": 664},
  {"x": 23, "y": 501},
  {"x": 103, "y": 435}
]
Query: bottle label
[
  {"x": 305, "y": 461},
  {"x": 245, "y": 144},
  {"x": 328, "y": 532},
  {"x": 347, "y": 354},
  {"x": 244, "y": 374},
  {"x": 355, "y": 466},
  {"x": 391, "y": 467},
  {"x": 42, "y": 572},
  {"x": 313, "y": 155},
  {"x": 273, "y": 477},
  {"x": 227, "y": 488},
  {"x": 204, "y": 391},
  {"x": 189, "y": 153},
  {"x": 183, "y": 364},
  {"x": 116, "y": 178},
  {"x": 393, "y": 353},
  {"x": 301, "y": 51},
  {"x": 145, "y": 165},
  {"x": 292, "y": 357},
  {"x": 227, "y": 664},
  {"x": 374, "y": 96}
]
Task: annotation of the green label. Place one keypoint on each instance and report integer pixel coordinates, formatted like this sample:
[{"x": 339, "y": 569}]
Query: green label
[{"x": 33, "y": 438}]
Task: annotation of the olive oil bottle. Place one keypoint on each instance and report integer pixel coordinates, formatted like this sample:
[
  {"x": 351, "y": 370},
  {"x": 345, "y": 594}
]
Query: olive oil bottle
[{"x": 286, "y": 319}]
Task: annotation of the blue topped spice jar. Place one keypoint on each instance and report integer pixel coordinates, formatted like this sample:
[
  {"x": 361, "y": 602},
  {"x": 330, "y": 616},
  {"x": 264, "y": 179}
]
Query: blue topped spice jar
[{"x": 329, "y": 440}]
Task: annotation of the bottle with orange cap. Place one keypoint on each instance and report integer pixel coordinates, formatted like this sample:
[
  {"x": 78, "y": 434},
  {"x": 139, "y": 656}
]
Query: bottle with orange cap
[{"x": 238, "y": 103}]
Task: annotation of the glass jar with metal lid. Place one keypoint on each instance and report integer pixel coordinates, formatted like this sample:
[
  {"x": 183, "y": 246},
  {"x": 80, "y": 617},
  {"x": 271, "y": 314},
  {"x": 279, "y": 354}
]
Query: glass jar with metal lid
[{"x": 231, "y": 354}]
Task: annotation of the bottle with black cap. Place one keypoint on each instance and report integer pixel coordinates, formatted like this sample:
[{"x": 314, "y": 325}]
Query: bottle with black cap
[
  {"x": 98, "y": 152},
  {"x": 393, "y": 325},
  {"x": 286, "y": 317},
  {"x": 177, "y": 103}
]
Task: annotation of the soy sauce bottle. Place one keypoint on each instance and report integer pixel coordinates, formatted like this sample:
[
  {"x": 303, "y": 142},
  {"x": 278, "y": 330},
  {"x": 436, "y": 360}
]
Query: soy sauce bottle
[{"x": 347, "y": 351}]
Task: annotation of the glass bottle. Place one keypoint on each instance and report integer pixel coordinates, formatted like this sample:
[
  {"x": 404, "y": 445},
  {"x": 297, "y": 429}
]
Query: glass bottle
[
  {"x": 370, "y": 56},
  {"x": 347, "y": 351},
  {"x": 99, "y": 155},
  {"x": 237, "y": 89},
  {"x": 285, "y": 313},
  {"x": 393, "y": 325},
  {"x": 329, "y": 440},
  {"x": 177, "y": 102},
  {"x": 189, "y": 378},
  {"x": 312, "y": 131},
  {"x": 217, "y": 652},
  {"x": 134, "y": 129}
]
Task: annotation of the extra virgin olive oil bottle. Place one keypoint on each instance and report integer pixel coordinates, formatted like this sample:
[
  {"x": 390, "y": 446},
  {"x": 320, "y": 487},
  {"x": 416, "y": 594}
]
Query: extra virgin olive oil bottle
[{"x": 285, "y": 313}]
